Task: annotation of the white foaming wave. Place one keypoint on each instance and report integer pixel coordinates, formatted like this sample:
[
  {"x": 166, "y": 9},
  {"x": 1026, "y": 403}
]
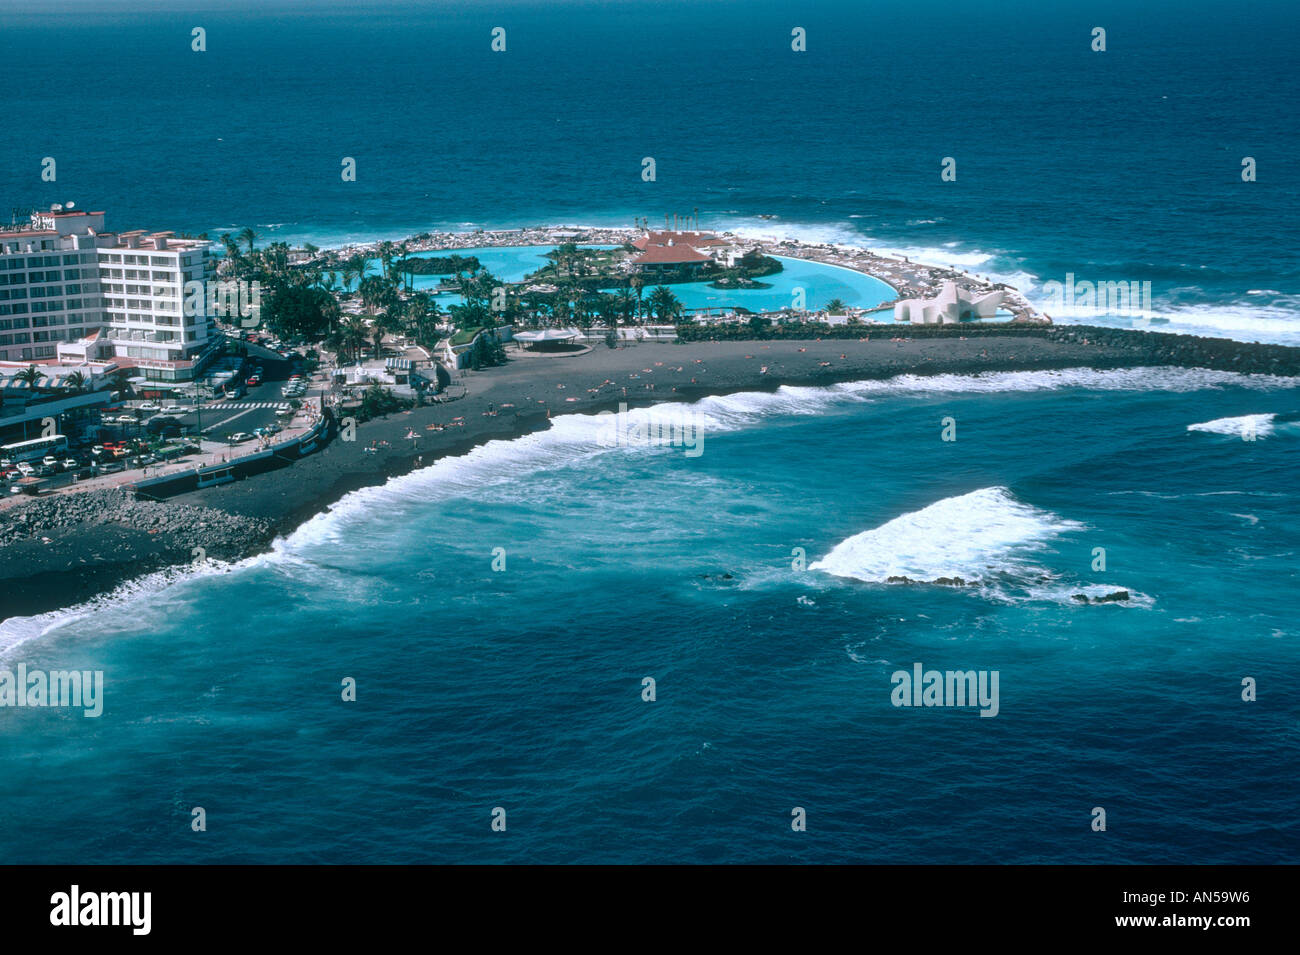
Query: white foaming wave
[
  {"x": 995, "y": 265},
  {"x": 751, "y": 227},
  {"x": 946, "y": 256},
  {"x": 1261, "y": 424},
  {"x": 16, "y": 631},
  {"x": 572, "y": 438},
  {"x": 1277, "y": 323},
  {"x": 1065, "y": 595},
  {"x": 1265, "y": 323},
  {"x": 1143, "y": 378},
  {"x": 1271, "y": 324},
  {"x": 569, "y": 440},
  {"x": 974, "y": 536}
]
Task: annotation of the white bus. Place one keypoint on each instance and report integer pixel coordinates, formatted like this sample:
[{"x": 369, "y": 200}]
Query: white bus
[{"x": 33, "y": 450}]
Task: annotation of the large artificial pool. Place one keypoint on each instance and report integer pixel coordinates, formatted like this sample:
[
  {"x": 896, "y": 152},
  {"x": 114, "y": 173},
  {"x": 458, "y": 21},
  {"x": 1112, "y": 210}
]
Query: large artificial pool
[{"x": 819, "y": 283}]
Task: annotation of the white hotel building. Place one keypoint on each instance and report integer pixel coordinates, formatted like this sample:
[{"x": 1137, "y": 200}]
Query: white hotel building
[{"x": 71, "y": 293}]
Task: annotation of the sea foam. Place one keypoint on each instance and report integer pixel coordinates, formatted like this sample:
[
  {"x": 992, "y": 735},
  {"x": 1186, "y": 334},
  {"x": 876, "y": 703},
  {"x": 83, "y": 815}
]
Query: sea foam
[
  {"x": 1260, "y": 424},
  {"x": 972, "y": 536}
]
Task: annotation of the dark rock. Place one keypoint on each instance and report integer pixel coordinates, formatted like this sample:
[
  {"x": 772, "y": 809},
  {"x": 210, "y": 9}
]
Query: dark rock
[{"x": 1115, "y": 597}]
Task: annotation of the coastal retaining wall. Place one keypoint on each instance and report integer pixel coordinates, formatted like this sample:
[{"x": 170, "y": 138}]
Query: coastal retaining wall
[
  {"x": 1153, "y": 348},
  {"x": 271, "y": 459}
]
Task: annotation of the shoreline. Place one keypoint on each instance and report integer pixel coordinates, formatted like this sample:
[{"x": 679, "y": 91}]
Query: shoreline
[{"x": 65, "y": 562}]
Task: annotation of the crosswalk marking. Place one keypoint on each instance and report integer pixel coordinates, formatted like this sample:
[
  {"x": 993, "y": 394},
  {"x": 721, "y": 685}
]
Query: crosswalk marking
[{"x": 246, "y": 405}]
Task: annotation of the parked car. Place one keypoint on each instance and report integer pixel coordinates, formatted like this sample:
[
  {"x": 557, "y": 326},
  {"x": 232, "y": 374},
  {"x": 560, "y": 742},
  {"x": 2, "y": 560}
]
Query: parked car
[
  {"x": 239, "y": 436},
  {"x": 50, "y": 461},
  {"x": 71, "y": 464},
  {"x": 253, "y": 381},
  {"x": 25, "y": 469},
  {"x": 175, "y": 409},
  {"x": 149, "y": 406}
]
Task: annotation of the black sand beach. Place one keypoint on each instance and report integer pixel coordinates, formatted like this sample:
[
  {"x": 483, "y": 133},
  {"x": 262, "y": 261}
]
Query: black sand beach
[{"x": 47, "y": 566}]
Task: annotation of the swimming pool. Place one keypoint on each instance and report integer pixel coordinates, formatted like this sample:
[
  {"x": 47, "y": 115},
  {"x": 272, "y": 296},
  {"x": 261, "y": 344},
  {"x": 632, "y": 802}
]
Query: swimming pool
[{"x": 819, "y": 282}]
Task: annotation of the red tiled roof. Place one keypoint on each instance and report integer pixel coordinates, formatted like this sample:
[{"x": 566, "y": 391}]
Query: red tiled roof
[
  {"x": 696, "y": 239},
  {"x": 669, "y": 254}
]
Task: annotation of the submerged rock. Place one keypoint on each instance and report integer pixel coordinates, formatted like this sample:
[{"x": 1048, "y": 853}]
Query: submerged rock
[{"x": 1117, "y": 596}]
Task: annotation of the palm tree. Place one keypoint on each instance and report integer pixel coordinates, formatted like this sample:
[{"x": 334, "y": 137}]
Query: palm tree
[
  {"x": 377, "y": 292},
  {"x": 419, "y": 312},
  {"x": 76, "y": 381},
  {"x": 664, "y": 303},
  {"x": 347, "y": 276},
  {"x": 248, "y": 235},
  {"x": 357, "y": 264},
  {"x": 29, "y": 376},
  {"x": 638, "y": 285},
  {"x": 835, "y": 307},
  {"x": 392, "y": 321},
  {"x": 386, "y": 252},
  {"x": 354, "y": 334},
  {"x": 403, "y": 249}
]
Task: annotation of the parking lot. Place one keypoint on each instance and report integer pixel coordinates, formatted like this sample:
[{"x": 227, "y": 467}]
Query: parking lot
[
  {"x": 264, "y": 393},
  {"x": 147, "y": 432}
]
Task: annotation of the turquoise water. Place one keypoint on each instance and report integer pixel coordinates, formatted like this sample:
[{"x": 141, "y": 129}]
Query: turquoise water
[
  {"x": 521, "y": 688},
  {"x": 820, "y": 282},
  {"x": 508, "y": 263}
]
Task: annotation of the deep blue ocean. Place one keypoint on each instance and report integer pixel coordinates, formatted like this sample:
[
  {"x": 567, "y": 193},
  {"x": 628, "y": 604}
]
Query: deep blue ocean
[
  {"x": 522, "y": 688},
  {"x": 1123, "y": 165}
]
